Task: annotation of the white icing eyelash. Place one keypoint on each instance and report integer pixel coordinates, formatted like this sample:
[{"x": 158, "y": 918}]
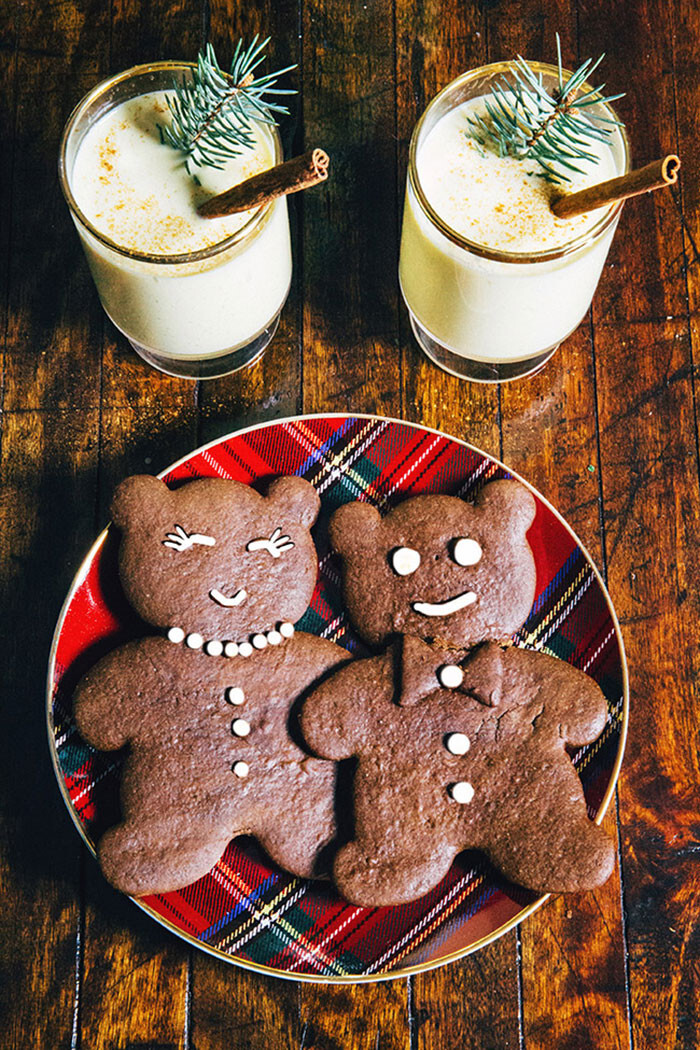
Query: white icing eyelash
[
  {"x": 182, "y": 541},
  {"x": 275, "y": 546}
]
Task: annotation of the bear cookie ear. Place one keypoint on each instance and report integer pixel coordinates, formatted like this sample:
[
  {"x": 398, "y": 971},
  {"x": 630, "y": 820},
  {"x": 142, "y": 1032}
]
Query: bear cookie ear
[
  {"x": 298, "y": 499},
  {"x": 135, "y": 498},
  {"x": 510, "y": 504},
  {"x": 352, "y": 526}
]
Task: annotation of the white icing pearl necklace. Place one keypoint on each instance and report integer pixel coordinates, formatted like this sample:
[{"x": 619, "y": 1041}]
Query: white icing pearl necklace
[
  {"x": 215, "y": 647},
  {"x": 240, "y": 727}
]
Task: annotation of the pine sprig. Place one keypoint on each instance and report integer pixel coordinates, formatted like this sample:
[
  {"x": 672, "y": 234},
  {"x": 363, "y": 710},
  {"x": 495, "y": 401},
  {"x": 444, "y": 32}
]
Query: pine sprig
[
  {"x": 524, "y": 120},
  {"x": 212, "y": 112}
]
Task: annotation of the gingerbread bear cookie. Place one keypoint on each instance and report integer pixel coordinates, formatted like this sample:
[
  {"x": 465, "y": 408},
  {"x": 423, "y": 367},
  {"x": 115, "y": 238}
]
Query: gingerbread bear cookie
[
  {"x": 457, "y": 747},
  {"x": 206, "y": 707}
]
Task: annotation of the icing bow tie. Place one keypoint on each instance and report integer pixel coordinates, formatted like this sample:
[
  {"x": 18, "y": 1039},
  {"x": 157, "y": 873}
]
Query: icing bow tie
[{"x": 423, "y": 669}]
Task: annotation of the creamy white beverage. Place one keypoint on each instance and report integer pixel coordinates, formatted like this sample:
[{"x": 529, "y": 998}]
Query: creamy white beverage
[
  {"x": 488, "y": 272},
  {"x": 140, "y": 201}
]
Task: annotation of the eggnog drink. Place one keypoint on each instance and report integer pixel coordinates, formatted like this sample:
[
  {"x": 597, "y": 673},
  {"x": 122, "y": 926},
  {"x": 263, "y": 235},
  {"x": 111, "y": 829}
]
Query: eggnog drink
[
  {"x": 195, "y": 297},
  {"x": 493, "y": 280}
]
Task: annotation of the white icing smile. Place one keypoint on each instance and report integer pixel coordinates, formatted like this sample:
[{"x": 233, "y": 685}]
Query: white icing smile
[
  {"x": 221, "y": 599},
  {"x": 452, "y": 605}
]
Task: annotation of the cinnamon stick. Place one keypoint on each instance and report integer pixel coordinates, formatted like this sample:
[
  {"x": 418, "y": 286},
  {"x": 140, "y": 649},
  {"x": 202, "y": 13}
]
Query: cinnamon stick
[
  {"x": 653, "y": 176},
  {"x": 293, "y": 175}
]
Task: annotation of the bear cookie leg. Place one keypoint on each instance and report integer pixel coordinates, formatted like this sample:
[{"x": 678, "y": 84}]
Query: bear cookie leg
[
  {"x": 551, "y": 860},
  {"x": 372, "y": 877},
  {"x": 144, "y": 858}
]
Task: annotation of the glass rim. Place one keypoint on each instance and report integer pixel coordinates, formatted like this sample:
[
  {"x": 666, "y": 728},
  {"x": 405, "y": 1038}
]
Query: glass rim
[
  {"x": 475, "y": 247},
  {"x": 184, "y": 257}
]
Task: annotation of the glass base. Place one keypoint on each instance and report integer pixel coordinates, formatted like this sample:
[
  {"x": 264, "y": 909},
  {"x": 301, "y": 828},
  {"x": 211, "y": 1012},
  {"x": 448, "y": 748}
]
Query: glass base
[
  {"x": 476, "y": 371},
  {"x": 211, "y": 367}
]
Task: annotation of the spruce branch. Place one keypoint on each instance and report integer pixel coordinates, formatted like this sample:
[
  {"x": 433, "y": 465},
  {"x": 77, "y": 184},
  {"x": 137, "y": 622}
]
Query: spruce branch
[
  {"x": 522, "y": 119},
  {"x": 212, "y": 111}
]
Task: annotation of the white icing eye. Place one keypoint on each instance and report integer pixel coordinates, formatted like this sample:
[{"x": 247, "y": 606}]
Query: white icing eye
[
  {"x": 404, "y": 560},
  {"x": 466, "y": 551}
]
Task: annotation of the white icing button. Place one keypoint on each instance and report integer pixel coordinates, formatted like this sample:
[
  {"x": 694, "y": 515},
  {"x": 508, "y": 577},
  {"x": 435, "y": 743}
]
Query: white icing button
[
  {"x": 274, "y": 637},
  {"x": 286, "y": 630},
  {"x": 259, "y": 641},
  {"x": 462, "y": 792},
  {"x": 194, "y": 641},
  {"x": 450, "y": 675},
  {"x": 176, "y": 634},
  {"x": 241, "y": 769},
  {"x": 230, "y": 649},
  {"x": 239, "y": 727},
  {"x": 457, "y": 743},
  {"x": 214, "y": 647},
  {"x": 245, "y": 649},
  {"x": 234, "y": 695},
  {"x": 466, "y": 551},
  {"x": 404, "y": 561}
]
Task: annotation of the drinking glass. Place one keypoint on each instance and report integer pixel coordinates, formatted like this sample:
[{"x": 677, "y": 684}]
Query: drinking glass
[
  {"x": 479, "y": 312},
  {"x": 199, "y": 314}
]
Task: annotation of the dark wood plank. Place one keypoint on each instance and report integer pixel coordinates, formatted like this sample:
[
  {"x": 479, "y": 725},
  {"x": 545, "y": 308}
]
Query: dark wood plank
[
  {"x": 230, "y": 1006},
  {"x": 361, "y": 1016},
  {"x": 435, "y": 42},
  {"x": 572, "y": 949},
  {"x": 53, "y": 351},
  {"x": 648, "y": 442},
  {"x": 48, "y": 467},
  {"x": 272, "y": 387},
  {"x": 473, "y": 1003},
  {"x": 135, "y": 975},
  {"x": 350, "y": 236},
  {"x": 134, "y": 988},
  {"x": 239, "y": 1010},
  {"x": 350, "y": 336}
]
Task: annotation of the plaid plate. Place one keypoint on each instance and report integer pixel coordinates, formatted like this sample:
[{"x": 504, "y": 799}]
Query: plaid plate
[{"x": 245, "y": 910}]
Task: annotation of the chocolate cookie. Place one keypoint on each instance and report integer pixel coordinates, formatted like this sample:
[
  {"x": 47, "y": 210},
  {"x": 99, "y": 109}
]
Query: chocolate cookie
[
  {"x": 205, "y": 708},
  {"x": 455, "y": 754}
]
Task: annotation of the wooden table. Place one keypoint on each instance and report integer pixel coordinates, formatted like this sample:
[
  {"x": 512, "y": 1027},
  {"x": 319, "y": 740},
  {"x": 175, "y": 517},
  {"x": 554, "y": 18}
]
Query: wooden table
[{"x": 608, "y": 432}]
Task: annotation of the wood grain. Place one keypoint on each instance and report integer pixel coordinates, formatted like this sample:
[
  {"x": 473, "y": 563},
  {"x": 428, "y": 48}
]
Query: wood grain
[
  {"x": 648, "y": 445},
  {"x": 47, "y": 468},
  {"x": 436, "y": 42},
  {"x": 52, "y": 351},
  {"x": 232, "y": 1007},
  {"x": 134, "y": 975},
  {"x": 350, "y": 338},
  {"x": 271, "y": 388},
  {"x": 350, "y": 235},
  {"x": 574, "y": 992},
  {"x": 475, "y": 1003}
]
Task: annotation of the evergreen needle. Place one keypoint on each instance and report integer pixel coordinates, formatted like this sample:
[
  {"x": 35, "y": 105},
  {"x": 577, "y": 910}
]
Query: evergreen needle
[
  {"x": 522, "y": 119},
  {"x": 212, "y": 112}
]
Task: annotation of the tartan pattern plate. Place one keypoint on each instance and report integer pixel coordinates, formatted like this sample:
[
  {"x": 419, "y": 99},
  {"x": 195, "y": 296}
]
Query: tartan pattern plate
[{"x": 245, "y": 910}]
